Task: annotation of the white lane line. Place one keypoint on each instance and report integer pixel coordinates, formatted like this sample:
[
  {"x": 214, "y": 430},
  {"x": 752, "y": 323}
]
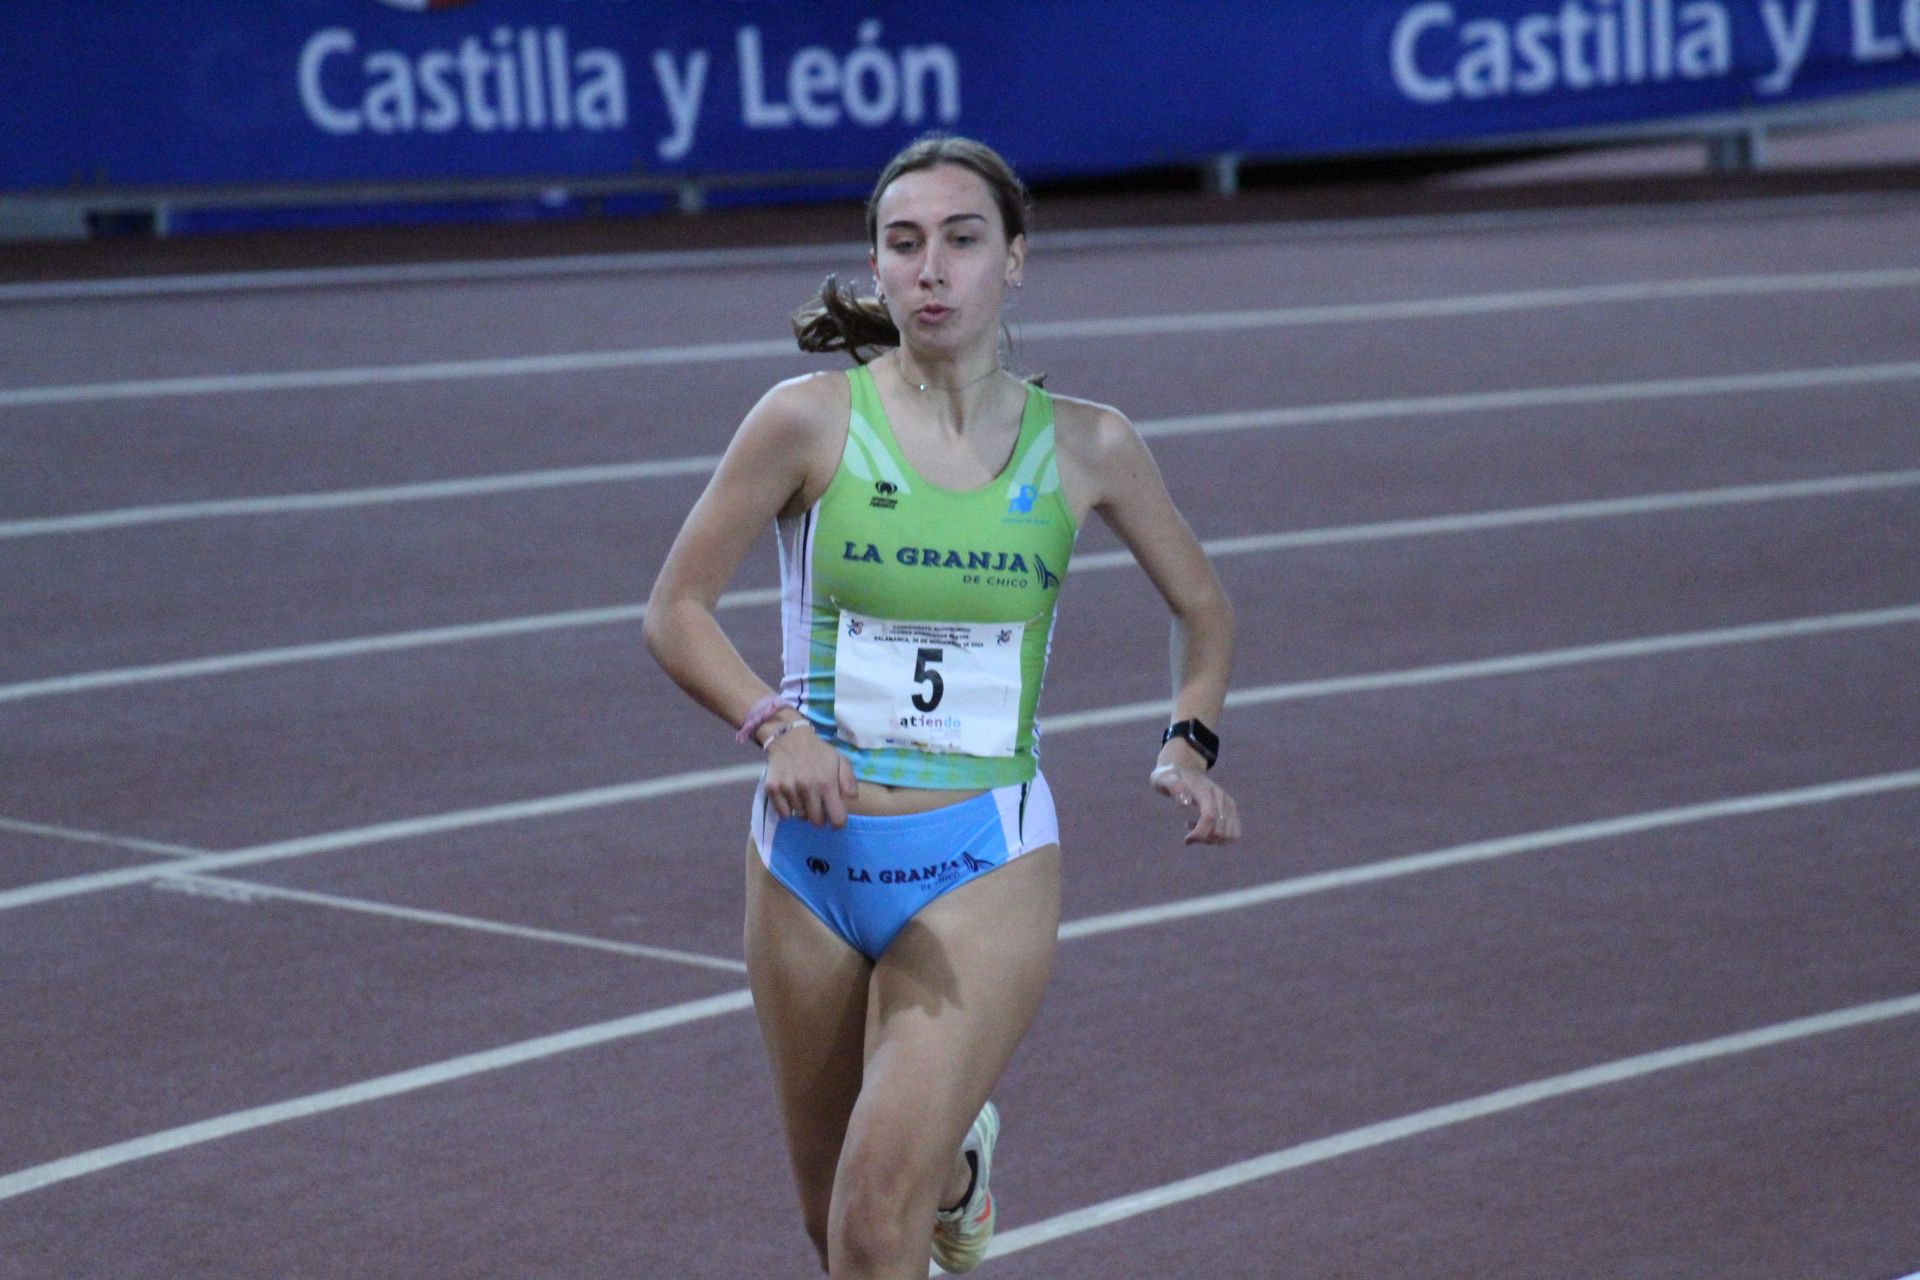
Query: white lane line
[
  {"x": 471, "y": 924},
  {"x": 1490, "y": 850},
  {"x": 1506, "y": 665},
  {"x": 468, "y": 487},
  {"x": 380, "y": 833},
  {"x": 409, "y": 273},
  {"x": 1476, "y": 304},
  {"x": 339, "y": 499},
  {"x": 388, "y": 1086},
  {"x": 527, "y": 1051},
  {"x": 94, "y": 837},
  {"x": 1555, "y": 513},
  {"x": 171, "y": 878},
  {"x": 1496, "y": 221},
  {"x": 1538, "y": 398},
  {"x": 354, "y": 647},
  {"x": 1370, "y": 1136},
  {"x": 225, "y": 664},
  {"x": 391, "y": 374},
  {"x": 683, "y": 783},
  {"x": 1252, "y": 544},
  {"x": 853, "y": 255},
  {"x": 573, "y": 362}
]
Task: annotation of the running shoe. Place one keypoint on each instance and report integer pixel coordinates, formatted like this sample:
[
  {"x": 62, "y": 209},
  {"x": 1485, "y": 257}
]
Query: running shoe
[{"x": 960, "y": 1235}]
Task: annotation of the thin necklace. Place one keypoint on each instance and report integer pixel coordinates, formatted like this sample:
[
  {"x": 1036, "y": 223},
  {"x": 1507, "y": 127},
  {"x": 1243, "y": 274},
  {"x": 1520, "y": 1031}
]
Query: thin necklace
[{"x": 922, "y": 387}]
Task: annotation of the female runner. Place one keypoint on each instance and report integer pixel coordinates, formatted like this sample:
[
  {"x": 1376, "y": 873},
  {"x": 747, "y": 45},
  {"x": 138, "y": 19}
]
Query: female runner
[{"x": 903, "y": 875}]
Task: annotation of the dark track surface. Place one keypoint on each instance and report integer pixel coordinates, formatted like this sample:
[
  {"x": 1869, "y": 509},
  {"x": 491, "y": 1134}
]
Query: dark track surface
[{"x": 1167, "y": 1049}]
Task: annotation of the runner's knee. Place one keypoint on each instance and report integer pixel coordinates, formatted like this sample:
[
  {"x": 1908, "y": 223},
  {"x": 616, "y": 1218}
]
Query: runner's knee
[
  {"x": 883, "y": 1200},
  {"x": 875, "y": 1230}
]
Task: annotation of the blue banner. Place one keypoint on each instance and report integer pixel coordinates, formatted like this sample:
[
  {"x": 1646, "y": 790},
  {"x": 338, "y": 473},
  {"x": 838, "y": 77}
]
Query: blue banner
[{"x": 193, "y": 92}]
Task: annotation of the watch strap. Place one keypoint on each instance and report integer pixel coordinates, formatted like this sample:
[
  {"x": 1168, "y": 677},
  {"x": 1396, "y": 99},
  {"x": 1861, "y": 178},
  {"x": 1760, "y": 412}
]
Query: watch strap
[{"x": 1197, "y": 735}]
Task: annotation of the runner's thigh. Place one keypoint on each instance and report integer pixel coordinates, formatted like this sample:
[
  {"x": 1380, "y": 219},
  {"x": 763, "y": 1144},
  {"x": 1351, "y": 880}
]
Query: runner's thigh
[
  {"x": 948, "y": 1005},
  {"x": 810, "y": 995}
]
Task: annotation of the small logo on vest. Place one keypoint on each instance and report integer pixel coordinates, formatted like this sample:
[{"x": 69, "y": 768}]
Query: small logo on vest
[
  {"x": 1022, "y": 502},
  {"x": 819, "y": 866},
  {"x": 883, "y": 491},
  {"x": 1048, "y": 578}
]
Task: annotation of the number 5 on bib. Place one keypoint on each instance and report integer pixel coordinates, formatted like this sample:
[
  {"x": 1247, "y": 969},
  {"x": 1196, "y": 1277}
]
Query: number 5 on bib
[{"x": 928, "y": 686}]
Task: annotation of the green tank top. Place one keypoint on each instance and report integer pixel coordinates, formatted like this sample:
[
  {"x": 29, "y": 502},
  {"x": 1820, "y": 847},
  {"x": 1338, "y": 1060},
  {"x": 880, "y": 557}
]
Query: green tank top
[{"x": 916, "y": 620}]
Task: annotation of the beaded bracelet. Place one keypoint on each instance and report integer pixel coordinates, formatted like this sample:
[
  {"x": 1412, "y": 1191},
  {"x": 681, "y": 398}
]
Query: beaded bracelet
[
  {"x": 761, "y": 712},
  {"x": 781, "y": 732}
]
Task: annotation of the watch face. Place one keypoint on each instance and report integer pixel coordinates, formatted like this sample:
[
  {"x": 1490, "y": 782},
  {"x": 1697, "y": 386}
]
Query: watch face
[{"x": 1204, "y": 740}]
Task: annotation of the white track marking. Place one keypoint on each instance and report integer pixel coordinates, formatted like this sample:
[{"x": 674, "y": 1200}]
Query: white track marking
[
  {"x": 371, "y": 1091},
  {"x": 390, "y": 374},
  {"x": 169, "y": 878},
  {"x": 1536, "y": 398},
  {"x": 1486, "y": 221},
  {"x": 470, "y": 923},
  {"x": 94, "y": 837},
  {"x": 1490, "y": 850},
  {"x": 495, "y": 485},
  {"x": 1475, "y": 304},
  {"x": 1506, "y": 665},
  {"x": 380, "y": 833},
  {"x": 1429, "y": 526},
  {"x": 1135, "y": 326},
  {"x": 683, "y": 783},
  {"x": 853, "y": 255},
  {"x": 1370, "y": 1136},
  {"x": 1514, "y": 517},
  {"x": 355, "y": 647},
  {"x": 328, "y": 650},
  {"x": 103, "y": 1158},
  {"x": 412, "y": 273},
  {"x": 338, "y": 499}
]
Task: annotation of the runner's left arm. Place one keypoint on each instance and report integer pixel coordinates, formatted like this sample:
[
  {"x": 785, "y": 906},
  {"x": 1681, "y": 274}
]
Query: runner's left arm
[{"x": 1128, "y": 492}]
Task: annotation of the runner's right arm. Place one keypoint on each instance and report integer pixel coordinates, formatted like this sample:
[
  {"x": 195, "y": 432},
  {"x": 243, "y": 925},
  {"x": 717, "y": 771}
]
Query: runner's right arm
[{"x": 773, "y": 461}]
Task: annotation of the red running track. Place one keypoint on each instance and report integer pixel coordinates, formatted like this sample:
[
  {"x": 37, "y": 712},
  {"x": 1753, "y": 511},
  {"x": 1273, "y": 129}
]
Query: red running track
[{"x": 1606, "y": 597}]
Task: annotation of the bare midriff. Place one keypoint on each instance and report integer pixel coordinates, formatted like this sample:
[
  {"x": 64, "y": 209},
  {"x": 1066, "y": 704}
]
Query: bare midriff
[{"x": 878, "y": 800}]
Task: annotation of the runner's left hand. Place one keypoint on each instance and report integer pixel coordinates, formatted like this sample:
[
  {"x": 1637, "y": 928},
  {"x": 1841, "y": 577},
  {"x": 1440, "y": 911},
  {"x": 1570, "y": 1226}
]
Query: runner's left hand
[{"x": 1214, "y": 818}]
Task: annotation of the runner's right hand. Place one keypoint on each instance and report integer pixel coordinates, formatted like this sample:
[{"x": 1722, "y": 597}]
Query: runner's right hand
[{"x": 807, "y": 778}]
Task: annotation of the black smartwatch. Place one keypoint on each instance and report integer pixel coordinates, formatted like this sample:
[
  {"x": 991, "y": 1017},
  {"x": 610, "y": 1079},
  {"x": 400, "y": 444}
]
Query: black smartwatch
[{"x": 1197, "y": 735}]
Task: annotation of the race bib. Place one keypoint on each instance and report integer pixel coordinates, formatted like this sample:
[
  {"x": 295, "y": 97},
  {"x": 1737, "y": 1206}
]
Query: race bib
[{"x": 929, "y": 686}]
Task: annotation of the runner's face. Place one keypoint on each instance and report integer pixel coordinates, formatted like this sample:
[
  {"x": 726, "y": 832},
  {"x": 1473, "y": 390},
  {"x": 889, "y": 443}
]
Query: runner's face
[{"x": 943, "y": 260}]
